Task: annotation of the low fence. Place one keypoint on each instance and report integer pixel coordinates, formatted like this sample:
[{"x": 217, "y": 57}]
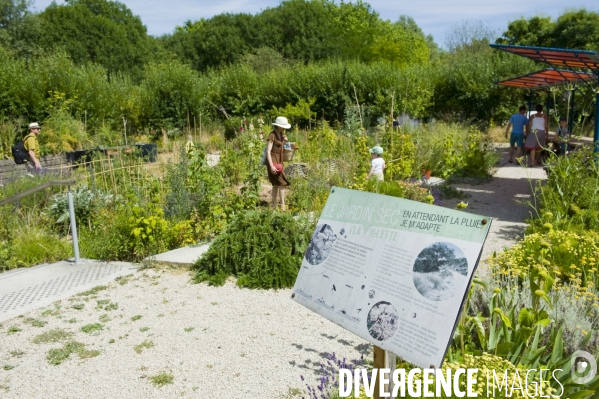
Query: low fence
[{"x": 62, "y": 164}]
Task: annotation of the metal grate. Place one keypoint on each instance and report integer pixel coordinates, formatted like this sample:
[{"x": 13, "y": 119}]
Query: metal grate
[{"x": 54, "y": 287}]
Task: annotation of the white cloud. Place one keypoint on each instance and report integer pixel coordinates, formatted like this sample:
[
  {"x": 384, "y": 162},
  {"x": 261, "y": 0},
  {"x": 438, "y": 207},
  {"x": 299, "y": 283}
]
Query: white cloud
[{"x": 433, "y": 16}]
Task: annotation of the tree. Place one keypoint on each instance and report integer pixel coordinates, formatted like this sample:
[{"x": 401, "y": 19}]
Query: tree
[
  {"x": 99, "y": 31},
  {"x": 536, "y": 31},
  {"x": 299, "y": 29},
  {"x": 215, "y": 42},
  {"x": 433, "y": 258},
  {"x": 16, "y": 23},
  {"x": 410, "y": 25},
  {"x": 577, "y": 29}
]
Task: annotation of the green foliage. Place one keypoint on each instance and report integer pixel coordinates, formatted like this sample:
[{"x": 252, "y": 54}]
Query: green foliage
[
  {"x": 400, "y": 189},
  {"x": 359, "y": 34},
  {"x": 575, "y": 29},
  {"x": 570, "y": 198},
  {"x": 400, "y": 155},
  {"x": 297, "y": 113},
  {"x": 263, "y": 249},
  {"x": 90, "y": 328},
  {"x": 60, "y": 355},
  {"x": 168, "y": 94},
  {"x": 144, "y": 345},
  {"x": 14, "y": 20},
  {"x": 132, "y": 232},
  {"x": 9, "y": 131},
  {"x": 162, "y": 379},
  {"x": 100, "y": 31},
  {"x": 85, "y": 203},
  {"x": 465, "y": 86},
  {"x": 453, "y": 150},
  {"x": 33, "y": 245},
  {"x": 54, "y": 335}
]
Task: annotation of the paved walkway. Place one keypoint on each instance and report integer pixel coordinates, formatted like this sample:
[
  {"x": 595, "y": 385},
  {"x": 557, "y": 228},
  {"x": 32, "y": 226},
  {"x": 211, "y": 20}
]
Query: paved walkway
[
  {"x": 507, "y": 198},
  {"x": 26, "y": 289}
]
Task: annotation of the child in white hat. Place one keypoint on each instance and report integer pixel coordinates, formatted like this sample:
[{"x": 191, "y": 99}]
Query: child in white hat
[{"x": 377, "y": 164}]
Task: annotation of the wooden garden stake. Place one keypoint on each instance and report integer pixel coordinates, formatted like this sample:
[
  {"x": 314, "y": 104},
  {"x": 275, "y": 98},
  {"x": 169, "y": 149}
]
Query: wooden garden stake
[
  {"x": 392, "y": 104},
  {"x": 125, "y": 129},
  {"x": 359, "y": 109}
]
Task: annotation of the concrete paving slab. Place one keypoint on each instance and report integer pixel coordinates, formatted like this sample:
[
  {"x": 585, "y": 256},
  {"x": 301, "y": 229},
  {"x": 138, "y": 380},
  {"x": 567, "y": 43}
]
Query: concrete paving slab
[
  {"x": 26, "y": 289},
  {"x": 433, "y": 181},
  {"x": 185, "y": 256}
]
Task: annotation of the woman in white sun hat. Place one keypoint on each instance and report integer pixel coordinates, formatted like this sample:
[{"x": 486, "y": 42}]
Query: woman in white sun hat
[{"x": 274, "y": 164}]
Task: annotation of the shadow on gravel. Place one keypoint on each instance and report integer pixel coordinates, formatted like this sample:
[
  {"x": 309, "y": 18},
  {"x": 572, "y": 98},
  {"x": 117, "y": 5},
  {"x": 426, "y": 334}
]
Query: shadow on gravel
[
  {"x": 511, "y": 232},
  {"x": 502, "y": 198}
]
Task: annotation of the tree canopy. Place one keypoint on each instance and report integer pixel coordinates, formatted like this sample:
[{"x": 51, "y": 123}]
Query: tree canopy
[
  {"x": 576, "y": 29},
  {"x": 301, "y": 30},
  {"x": 98, "y": 31}
]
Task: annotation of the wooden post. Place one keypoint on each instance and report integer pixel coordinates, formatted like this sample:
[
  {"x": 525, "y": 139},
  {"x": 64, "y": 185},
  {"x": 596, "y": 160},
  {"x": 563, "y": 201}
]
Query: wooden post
[
  {"x": 125, "y": 129},
  {"x": 379, "y": 363},
  {"x": 359, "y": 109},
  {"x": 392, "y": 105}
]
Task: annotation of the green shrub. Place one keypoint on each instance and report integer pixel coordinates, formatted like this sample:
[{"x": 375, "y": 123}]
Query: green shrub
[
  {"x": 263, "y": 249},
  {"x": 31, "y": 246},
  {"x": 133, "y": 232},
  {"x": 85, "y": 203},
  {"x": 400, "y": 189},
  {"x": 570, "y": 198}
]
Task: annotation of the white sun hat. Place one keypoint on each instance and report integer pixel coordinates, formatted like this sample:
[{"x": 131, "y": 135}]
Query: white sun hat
[{"x": 282, "y": 122}]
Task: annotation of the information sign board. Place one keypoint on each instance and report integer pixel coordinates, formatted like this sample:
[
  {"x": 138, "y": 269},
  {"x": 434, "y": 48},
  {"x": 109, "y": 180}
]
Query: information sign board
[{"x": 393, "y": 271}]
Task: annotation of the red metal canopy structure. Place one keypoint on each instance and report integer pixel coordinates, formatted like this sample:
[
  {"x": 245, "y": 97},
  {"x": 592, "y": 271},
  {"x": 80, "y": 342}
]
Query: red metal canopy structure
[
  {"x": 558, "y": 58},
  {"x": 547, "y": 78}
]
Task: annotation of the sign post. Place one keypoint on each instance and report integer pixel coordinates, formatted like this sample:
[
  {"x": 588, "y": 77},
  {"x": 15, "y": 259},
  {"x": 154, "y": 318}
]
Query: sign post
[{"x": 393, "y": 271}]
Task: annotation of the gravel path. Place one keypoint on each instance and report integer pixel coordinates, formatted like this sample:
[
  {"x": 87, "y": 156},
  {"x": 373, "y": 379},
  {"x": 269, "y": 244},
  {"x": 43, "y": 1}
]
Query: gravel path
[
  {"x": 216, "y": 342},
  {"x": 505, "y": 199}
]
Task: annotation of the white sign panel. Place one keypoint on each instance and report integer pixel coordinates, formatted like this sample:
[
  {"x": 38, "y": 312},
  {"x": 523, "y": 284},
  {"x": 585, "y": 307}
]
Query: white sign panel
[{"x": 393, "y": 271}]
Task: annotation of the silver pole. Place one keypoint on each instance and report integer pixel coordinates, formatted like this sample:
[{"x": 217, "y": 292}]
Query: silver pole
[{"x": 73, "y": 227}]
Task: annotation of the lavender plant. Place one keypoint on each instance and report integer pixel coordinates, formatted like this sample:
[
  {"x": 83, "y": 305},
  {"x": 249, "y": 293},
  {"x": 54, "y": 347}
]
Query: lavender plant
[{"x": 327, "y": 383}]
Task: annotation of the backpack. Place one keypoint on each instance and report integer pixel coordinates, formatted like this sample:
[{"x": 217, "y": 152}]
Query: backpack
[{"x": 19, "y": 153}]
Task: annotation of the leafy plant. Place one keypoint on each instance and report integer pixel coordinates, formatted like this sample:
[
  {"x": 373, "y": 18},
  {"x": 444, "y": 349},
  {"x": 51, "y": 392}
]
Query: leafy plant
[
  {"x": 85, "y": 203},
  {"x": 263, "y": 249},
  {"x": 162, "y": 379}
]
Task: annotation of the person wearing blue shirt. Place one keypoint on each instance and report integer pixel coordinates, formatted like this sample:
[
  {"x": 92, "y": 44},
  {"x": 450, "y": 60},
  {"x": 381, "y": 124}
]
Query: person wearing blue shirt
[{"x": 517, "y": 123}]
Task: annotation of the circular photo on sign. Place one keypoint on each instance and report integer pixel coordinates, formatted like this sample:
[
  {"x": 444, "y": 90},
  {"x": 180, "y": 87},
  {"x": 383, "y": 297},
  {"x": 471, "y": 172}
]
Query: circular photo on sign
[
  {"x": 321, "y": 244},
  {"x": 382, "y": 321},
  {"x": 440, "y": 271}
]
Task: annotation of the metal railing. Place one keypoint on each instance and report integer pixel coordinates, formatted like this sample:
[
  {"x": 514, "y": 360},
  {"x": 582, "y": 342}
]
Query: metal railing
[{"x": 52, "y": 183}]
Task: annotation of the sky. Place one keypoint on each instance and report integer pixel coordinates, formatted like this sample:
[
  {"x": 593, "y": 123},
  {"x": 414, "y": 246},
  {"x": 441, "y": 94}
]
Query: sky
[{"x": 435, "y": 17}]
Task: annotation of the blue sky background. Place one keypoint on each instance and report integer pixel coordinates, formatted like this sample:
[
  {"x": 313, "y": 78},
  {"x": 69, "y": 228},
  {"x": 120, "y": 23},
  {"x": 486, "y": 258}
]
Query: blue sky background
[{"x": 435, "y": 17}]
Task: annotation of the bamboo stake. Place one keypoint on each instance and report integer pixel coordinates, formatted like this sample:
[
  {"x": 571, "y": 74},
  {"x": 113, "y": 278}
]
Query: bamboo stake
[
  {"x": 359, "y": 109},
  {"x": 392, "y": 105}
]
